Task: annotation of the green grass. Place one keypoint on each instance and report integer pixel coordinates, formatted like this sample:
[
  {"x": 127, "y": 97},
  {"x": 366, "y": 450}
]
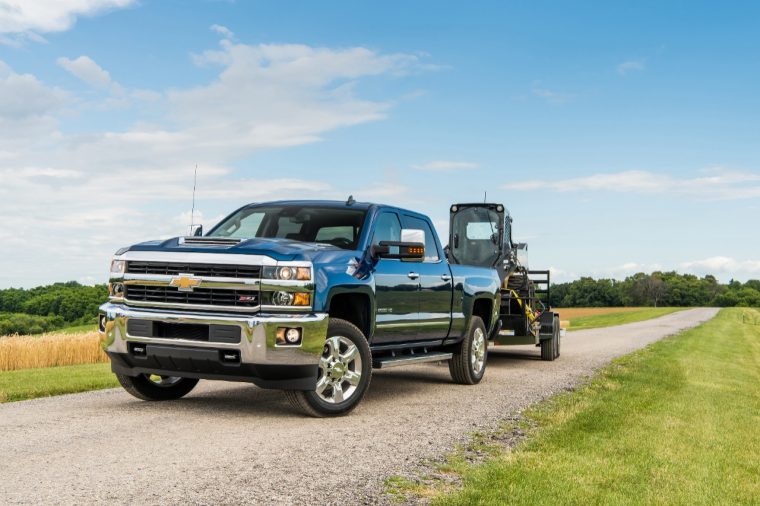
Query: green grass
[
  {"x": 73, "y": 329},
  {"x": 31, "y": 383},
  {"x": 675, "y": 423},
  {"x": 90, "y": 327},
  {"x": 611, "y": 319}
]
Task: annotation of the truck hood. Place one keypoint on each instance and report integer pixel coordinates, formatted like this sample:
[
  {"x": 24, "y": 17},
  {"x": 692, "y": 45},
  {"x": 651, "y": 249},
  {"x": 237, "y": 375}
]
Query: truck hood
[{"x": 279, "y": 249}]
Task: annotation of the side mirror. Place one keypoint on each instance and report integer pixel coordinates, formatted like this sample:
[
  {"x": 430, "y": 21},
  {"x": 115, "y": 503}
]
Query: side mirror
[
  {"x": 198, "y": 231},
  {"x": 411, "y": 246}
]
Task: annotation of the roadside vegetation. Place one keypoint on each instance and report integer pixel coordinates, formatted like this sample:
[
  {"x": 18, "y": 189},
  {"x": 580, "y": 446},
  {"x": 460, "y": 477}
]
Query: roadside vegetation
[
  {"x": 674, "y": 423},
  {"x": 50, "y": 350},
  {"x": 32, "y": 383},
  {"x": 52, "y": 364},
  {"x": 658, "y": 289},
  {"x": 591, "y": 318},
  {"x": 71, "y": 305},
  {"x": 48, "y": 308}
]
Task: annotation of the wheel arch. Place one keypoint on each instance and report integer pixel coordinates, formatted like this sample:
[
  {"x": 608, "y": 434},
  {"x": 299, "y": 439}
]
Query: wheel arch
[{"x": 355, "y": 304}]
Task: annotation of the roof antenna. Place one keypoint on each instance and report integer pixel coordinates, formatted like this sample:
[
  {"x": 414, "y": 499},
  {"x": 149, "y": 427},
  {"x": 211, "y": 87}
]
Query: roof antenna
[
  {"x": 192, "y": 210},
  {"x": 350, "y": 200},
  {"x": 485, "y": 197}
]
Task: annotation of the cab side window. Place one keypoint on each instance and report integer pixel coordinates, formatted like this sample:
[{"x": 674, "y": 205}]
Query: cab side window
[
  {"x": 431, "y": 248},
  {"x": 387, "y": 228}
]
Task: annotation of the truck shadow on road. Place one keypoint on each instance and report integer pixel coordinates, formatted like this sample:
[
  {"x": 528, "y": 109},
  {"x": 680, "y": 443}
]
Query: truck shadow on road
[
  {"x": 500, "y": 355},
  {"x": 243, "y": 400}
]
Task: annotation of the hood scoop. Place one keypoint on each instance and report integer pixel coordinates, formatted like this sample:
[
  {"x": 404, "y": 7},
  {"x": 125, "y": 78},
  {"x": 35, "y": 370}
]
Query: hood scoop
[{"x": 209, "y": 242}]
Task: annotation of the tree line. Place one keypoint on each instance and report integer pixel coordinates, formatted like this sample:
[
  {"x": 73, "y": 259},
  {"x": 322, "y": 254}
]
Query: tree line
[
  {"x": 656, "y": 289},
  {"x": 50, "y": 307}
]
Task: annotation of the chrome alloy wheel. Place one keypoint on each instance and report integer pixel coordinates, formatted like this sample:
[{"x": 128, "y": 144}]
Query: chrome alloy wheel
[
  {"x": 478, "y": 355},
  {"x": 340, "y": 370}
]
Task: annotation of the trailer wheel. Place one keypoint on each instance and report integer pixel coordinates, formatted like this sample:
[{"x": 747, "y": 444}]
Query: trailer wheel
[
  {"x": 150, "y": 387},
  {"x": 550, "y": 347},
  {"x": 547, "y": 349},
  {"x": 468, "y": 365},
  {"x": 345, "y": 371}
]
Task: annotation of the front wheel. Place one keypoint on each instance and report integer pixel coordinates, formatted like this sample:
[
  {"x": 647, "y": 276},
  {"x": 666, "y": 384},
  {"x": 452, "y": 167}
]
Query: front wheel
[
  {"x": 345, "y": 371},
  {"x": 468, "y": 365},
  {"x": 150, "y": 387}
]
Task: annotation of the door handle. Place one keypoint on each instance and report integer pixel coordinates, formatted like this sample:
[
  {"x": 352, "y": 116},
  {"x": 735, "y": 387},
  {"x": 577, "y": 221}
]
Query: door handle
[
  {"x": 445, "y": 277},
  {"x": 413, "y": 275}
]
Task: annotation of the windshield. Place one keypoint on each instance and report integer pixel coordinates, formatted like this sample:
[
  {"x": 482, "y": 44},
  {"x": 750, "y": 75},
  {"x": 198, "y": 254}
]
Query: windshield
[{"x": 327, "y": 225}]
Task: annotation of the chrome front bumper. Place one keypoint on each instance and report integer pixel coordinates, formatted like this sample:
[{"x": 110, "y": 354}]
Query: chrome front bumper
[{"x": 261, "y": 360}]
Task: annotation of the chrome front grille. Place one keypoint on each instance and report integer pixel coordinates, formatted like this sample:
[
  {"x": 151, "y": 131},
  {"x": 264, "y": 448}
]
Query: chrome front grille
[
  {"x": 204, "y": 270},
  {"x": 211, "y": 297},
  {"x": 202, "y": 286}
]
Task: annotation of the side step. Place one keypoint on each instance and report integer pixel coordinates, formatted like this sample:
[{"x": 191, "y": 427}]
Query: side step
[{"x": 433, "y": 356}]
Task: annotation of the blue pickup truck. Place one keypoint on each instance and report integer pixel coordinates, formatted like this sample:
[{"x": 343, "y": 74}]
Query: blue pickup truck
[{"x": 302, "y": 296}]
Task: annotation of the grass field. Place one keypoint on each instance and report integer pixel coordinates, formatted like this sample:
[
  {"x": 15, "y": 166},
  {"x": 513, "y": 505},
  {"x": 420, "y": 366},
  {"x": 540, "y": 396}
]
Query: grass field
[
  {"x": 581, "y": 318},
  {"x": 32, "y": 383},
  {"x": 675, "y": 423},
  {"x": 50, "y": 350}
]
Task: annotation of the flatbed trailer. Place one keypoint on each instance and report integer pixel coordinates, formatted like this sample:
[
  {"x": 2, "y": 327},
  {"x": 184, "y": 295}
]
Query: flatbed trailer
[{"x": 481, "y": 234}]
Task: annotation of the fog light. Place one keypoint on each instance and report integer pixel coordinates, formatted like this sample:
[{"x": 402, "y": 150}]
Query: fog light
[
  {"x": 293, "y": 336},
  {"x": 288, "y": 336}
]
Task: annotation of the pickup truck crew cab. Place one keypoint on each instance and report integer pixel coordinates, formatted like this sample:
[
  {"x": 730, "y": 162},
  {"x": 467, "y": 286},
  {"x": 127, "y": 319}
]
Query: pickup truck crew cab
[{"x": 303, "y": 296}]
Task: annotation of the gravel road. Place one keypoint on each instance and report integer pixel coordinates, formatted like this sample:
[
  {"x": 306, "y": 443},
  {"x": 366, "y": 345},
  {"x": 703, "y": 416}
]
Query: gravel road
[{"x": 232, "y": 443}]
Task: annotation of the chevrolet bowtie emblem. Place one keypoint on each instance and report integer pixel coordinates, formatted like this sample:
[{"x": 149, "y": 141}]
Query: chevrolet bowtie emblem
[{"x": 185, "y": 282}]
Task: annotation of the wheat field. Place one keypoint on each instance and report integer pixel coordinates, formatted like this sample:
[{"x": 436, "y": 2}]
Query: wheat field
[{"x": 49, "y": 350}]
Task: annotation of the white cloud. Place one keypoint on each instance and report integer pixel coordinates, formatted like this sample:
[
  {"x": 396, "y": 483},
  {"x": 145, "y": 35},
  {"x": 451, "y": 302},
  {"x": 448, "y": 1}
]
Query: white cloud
[
  {"x": 223, "y": 31},
  {"x": 40, "y": 16},
  {"x": 90, "y": 193},
  {"x": 444, "y": 165},
  {"x": 17, "y": 40},
  {"x": 717, "y": 183},
  {"x": 85, "y": 69},
  {"x": 631, "y": 66},
  {"x": 723, "y": 267},
  {"x": 27, "y": 110}
]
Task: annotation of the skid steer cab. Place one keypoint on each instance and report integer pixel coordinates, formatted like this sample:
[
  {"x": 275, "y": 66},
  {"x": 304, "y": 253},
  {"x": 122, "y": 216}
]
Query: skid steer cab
[{"x": 481, "y": 235}]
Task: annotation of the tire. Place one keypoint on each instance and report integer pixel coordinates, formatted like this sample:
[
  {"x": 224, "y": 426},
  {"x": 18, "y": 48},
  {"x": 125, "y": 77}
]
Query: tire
[
  {"x": 550, "y": 347},
  {"x": 160, "y": 388},
  {"x": 547, "y": 349},
  {"x": 337, "y": 391},
  {"x": 468, "y": 365}
]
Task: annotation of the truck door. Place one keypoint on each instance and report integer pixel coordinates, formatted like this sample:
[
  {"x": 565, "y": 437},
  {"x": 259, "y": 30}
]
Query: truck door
[
  {"x": 396, "y": 292},
  {"x": 435, "y": 284}
]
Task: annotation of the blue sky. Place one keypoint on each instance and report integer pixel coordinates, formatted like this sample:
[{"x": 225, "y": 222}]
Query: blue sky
[{"x": 623, "y": 136}]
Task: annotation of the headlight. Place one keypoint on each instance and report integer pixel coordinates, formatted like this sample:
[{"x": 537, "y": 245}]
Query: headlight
[
  {"x": 287, "y": 273},
  {"x": 291, "y": 299},
  {"x": 116, "y": 290},
  {"x": 118, "y": 267}
]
